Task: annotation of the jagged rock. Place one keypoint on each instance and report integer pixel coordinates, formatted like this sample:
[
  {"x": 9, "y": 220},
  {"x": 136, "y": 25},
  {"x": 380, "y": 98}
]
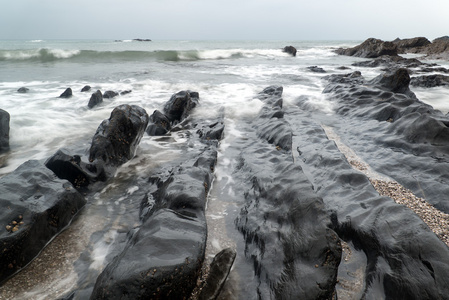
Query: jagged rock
[
  {"x": 4, "y": 130},
  {"x": 371, "y": 48},
  {"x": 95, "y": 99},
  {"x": 117, "y": 138},
  {"x": 218, "y": 273},
  {"x": 110, "y": 94},
  {"x": 396, "y": 81},
  {"x": 180, "y": 105},
  {"x": 67, "y": 93},
  {"x": 390, "y": 62},
  {"x": 159, "y": 124},
  {"x": 23, "y": 90},
  {"x": 37, "y": 206},
  {"x": 430, "y": 80},
  {"x": 86, "y": 88},
  {"x": 405, "y": 45},
  {"x": 290, "y": 50}
]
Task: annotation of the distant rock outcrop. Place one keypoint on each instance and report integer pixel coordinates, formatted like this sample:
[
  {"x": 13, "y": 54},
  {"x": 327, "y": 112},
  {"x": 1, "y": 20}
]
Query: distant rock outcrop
[
  {"x": 95, "y": 99},
  {"x": 23, "y": 90},
  {"x": 290, "y": 50},
  {"x": 371, "y": 48}
]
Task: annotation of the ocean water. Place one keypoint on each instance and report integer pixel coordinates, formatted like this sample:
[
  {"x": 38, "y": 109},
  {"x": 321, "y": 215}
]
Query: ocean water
[{"x": 225, "y": 73}]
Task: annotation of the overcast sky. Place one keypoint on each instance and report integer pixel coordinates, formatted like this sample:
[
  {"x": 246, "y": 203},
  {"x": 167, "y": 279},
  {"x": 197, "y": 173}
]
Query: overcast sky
[{"x": 223, "y": 19}]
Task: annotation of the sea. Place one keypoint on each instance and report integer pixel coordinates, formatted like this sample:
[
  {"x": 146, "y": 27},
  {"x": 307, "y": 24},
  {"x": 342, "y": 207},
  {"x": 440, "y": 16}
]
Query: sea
[{"x": 226, "y": 74}]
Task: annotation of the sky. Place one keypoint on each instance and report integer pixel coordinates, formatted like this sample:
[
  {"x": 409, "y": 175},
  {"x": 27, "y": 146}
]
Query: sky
[{"x": 223, "y": 19}]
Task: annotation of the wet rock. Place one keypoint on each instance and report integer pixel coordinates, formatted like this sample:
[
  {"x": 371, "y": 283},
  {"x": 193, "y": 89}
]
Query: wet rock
[
  {"x": 290, "y": 50},
  {"x": 110, "y": 94},
  {"x": 396, "y": 81},
  {"x": 316, "y": 69},
  {"x": 159, "y": 124},
  {"x": 164, "y": 258},
  {"x": 430, "y": 80},
  {"x": 142, "y": 40},
  {"x": 390, "y": 62},
  {"x": 95, "y": 99},
  {"x": 86, "y": 88},
  {"x": 285, "y": 228},
  {"x": 67, "y": 93},
  {"x": 38, "y": 205},
  {"x": 23, "y": 90},
  {"x": 74, "y": 169},
  {"x": 117, "y": 138},
  {"x": 180, "y": 105},
  {"x": 4, "y": 130},
  {"x": 125, "y": 92},
  {"x": 405, "y": 45},
  {"x": 371, "y": 48},
  {"x": 218, "y": 273}
]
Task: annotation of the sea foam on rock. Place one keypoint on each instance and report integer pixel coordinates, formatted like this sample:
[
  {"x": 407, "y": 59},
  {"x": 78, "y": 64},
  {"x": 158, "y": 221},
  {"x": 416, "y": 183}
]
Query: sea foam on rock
[{"x": 163, "y": 259}]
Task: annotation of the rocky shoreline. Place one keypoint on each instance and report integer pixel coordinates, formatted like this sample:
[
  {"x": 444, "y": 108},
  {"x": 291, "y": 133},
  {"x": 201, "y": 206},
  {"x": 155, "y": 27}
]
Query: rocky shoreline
[{"x": 351, "y": 205}]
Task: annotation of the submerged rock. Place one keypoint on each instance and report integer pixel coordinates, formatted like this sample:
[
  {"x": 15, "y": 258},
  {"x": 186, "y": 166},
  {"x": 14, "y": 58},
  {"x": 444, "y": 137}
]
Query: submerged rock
[
  {"x": 371, "y": 48},
  {"x": 4, "y": 130},
  {"x": 316, "y": 69},
  {"x": 67, "y": 93},
  {"x": 37, "y": 206},
  {"x": 23, "y": 90},
  {"x": 159, "y": 124}
]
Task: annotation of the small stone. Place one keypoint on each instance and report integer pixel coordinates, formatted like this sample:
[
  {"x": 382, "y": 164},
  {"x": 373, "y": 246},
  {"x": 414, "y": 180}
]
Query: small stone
[
  {"x": 15, "y": 228},
  {"x": 8, "y": 227}
]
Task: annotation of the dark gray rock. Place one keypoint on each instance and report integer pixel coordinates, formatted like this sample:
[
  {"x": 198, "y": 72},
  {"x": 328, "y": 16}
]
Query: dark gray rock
[
  {"x": 391, "y": 62},
  {"x": 159, "y": 124},
  {"x": 110, "y": 94},
  {"x": 316, "y": 69},
  {"x": 95, "y": 99},
  {"x": 410, "y": 45},
  {"x": 180, "y": 105},
  {"x": 290, "y": 50},
  {"x": 23, "y": 90},
  {"x": 218, "y": 273},
  {"x": 125, "y": 92},
  {"x": 371, "y": 48},
  {"x": 37, "y": 206},
  {"x": 397, "y": 81},
  {"x": 86, "y": 88},
  {"x": 67, "y": 93},
  {"x": 430, "y": 80},
  {"x": 117, "y": 138},
  {"x": 4, "y": 130}
]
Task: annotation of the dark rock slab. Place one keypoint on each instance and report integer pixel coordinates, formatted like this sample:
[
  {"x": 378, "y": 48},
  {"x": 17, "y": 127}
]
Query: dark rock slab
[
  {"x": 86, "y": 88},
  {"x": 110, "y": 94},
  {"x": 290, "y": 50},
  {"x": 218, "y": 273},
  {"x": 23, "y": 90},
  {"x": 390, "y": 62},
  {"x": 403, "y": 259},
  {"x": 36, "y": 207},
  {"x": 95, "y": 99},
  {"x": 66, "y": 94},
  {"x": 396, "y": 81},
  {"x": 4, "y": 130},
  {"x": 429, "y": 81},
  {"x": 370, "y": 48},
  {"x": 117, "y": 138}
]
